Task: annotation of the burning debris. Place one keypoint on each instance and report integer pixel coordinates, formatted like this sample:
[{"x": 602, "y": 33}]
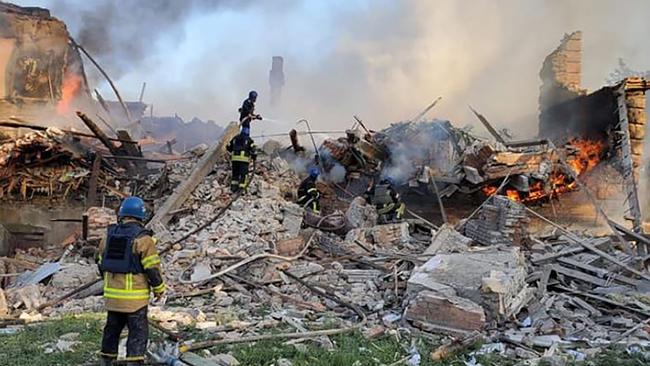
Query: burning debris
[
  {"x": 40, "y": 71},
  {"x": 237, "y": 265},
  {"x": 47, "y": 164}
]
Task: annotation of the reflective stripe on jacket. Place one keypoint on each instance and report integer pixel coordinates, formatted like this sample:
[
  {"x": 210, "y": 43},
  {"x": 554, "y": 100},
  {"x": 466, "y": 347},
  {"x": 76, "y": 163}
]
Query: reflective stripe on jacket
[
  {"x": 240, "y": 156},
  {"x": 129, "y": 292}
]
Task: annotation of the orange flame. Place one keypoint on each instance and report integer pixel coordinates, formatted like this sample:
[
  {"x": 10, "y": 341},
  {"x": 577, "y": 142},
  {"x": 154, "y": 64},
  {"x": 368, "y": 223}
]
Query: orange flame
[
  {"x": 587, "y": 157},
  {"x": 69, "y": 90}
]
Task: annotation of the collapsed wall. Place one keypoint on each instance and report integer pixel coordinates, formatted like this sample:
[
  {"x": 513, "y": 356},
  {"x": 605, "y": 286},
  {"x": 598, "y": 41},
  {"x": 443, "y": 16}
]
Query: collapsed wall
[
  {"x": 561, "y": 72},
  {"x": 39, "y": 67},
  {"x": 613, "y": 115}
]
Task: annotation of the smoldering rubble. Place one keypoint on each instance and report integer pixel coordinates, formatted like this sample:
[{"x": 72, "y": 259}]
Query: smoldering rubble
[
  {"x": 259, "y": 266},
  {"x": 500, "y": 266}
]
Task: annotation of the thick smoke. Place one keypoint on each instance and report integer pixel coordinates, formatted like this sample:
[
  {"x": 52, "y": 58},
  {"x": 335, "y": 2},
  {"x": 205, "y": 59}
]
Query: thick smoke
[
  {"x": 382, "y": 60},
  {"x": 407, "y": 155},
  {"x": 122, "y": 34}
]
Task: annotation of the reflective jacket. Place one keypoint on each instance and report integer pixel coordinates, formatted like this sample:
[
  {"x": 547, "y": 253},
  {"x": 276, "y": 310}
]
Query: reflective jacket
[
  {"x": 128, "y": 291},
  {"x": 308, "y": 195},
  {"x": 383, "y": 197},
  {"x": 242, "y": 149}
]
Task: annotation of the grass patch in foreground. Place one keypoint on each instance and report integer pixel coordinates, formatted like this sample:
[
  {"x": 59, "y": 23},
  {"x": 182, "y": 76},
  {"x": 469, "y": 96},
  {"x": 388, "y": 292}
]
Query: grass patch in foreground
[
  {"x": 350, "y": 349},
  {"x": 354, "y": 350},
  {"x": 27, "y": 346}
]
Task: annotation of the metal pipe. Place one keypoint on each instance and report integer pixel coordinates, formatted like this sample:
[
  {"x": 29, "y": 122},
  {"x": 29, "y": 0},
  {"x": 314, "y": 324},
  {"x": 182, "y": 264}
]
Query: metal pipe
[{"x": 320, "y": 160}]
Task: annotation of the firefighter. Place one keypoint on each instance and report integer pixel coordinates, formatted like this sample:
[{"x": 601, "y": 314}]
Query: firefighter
[
  {"x": 386, "y": 200},
  {"x": 308, "y": 194},
  {"x": 242, "y": 149},
  {"x": 130, "y": 265},
  {"x": 247, "y": 110}
]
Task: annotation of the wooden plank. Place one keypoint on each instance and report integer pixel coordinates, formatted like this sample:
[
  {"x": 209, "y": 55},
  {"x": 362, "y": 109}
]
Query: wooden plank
[
  {"x": 588, "y": 245},
  {"x": 92, "y": 185},
  {"x": 488, "y": 126},
  {"x": 604, "y": 300},
  {"x": 129, "y": 147},
  {"x": 543, "y": 281},
  {"x": 99, "y": 134},
  {"x": 580, "y": 276},
  {"x": 602, "y": 273},
  {"x": 512, "y": 158},
  {"x": 24, "y": 124},
  {"x": 635, "y": 236},
  {"x": 598, "y": 243}
]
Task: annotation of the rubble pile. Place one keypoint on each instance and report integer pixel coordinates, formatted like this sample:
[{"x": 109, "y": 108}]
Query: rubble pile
[
  {"x": 49, "y": 164},
  {"x": 500, "y": 221},
  {"x": 258, "y": 267}
]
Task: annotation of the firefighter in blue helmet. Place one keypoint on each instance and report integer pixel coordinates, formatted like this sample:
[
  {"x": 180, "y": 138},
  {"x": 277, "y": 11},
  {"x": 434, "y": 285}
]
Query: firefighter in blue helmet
[
  {"x": 130, "y": 266},
  {"x": 247, "y": 110},
  {"x": 242, "y": 151},
  {"x": 308, "y": 194},
  {"x": 386, "y": 200}
]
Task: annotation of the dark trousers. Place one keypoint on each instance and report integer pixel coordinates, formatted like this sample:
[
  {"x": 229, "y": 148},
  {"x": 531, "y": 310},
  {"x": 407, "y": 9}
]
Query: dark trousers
[
  {"x": 245, "y": 122},
  {"x": 310, "y": 204},
  {"x": 239, "y": 175},
  {"x": 136, "y": 344}
]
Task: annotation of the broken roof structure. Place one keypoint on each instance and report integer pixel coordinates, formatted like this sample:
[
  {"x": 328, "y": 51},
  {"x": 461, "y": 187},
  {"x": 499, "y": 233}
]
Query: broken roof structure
[{"x": 237, "y": 265}]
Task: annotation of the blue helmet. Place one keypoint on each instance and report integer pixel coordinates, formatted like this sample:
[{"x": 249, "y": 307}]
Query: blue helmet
[
  {"x": 314, "y": 172},
  {"x": 252, "y": 95},
  {"x": 389, "y": 180},
  {"x": 132, "y": 207},
  {"x": 245, "y": 131}
]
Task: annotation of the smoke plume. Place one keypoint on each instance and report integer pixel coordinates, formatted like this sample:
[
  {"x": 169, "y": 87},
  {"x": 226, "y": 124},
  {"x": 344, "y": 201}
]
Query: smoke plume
[
  {"x": 379, "y": 59},
  {"x": 122, "y": 34}
]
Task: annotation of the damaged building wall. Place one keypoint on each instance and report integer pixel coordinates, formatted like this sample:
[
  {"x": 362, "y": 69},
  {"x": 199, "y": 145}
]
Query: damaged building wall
[
  {"x": 33, "y": 224},
  {"x": 567, "y": 110},
  {"x": 38, "y": 65},
  {"x": 561, "y": 72},
  {"x": 613, "y": 115}
]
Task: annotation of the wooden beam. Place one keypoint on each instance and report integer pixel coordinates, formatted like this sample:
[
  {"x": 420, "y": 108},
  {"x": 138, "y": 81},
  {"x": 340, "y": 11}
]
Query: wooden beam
[
  {"x": 489, "y": 127},
  {"x": 589, "y": 246},
  {"x": 580, "y": 276},
  {"x": 94, "y": 177},
  {"x": 631, "y": 234},
  {"x": 603, "y": 299},
  {"x": 99, "y": 133},
  {"x": 11, "y": 124},
  {"x": 599, "y": 272},
  {"x": 598, "y": 243},
  {"x": 110, "y": 82}
]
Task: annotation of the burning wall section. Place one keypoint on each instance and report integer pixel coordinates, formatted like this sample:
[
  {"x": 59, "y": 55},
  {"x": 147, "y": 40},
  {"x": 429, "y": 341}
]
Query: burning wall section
[
  {"x": 613, "y": 116},
  {"x": 38, "y": 65}
]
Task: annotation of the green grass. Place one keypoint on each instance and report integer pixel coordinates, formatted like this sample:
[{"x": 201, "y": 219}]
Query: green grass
[{"x": 26, "y": 348}]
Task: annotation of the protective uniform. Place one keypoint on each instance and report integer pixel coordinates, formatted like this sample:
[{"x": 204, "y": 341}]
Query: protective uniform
[
  {"x": 308, "y": 194},
  {"x": 247, "y": 110},
  {"x": 387, "y": 202},
  {"x": 242, "y": 150},
  {"x": 130, "y": 267}
]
